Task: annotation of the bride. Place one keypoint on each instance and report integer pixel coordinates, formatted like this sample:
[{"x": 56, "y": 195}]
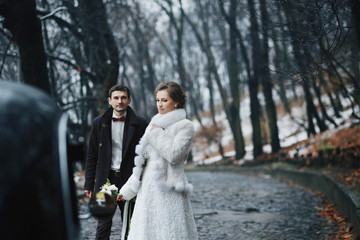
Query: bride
[{"x": 162, "y": 210}]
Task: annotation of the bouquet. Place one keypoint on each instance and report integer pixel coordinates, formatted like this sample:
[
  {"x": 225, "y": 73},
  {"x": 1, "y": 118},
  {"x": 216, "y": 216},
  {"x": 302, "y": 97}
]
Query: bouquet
[{"x": 110, "y": 189}]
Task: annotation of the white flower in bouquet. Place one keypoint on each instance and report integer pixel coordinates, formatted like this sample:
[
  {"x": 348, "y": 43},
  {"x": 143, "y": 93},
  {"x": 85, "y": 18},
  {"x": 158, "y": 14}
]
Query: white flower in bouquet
[
  {"x": 113, "y": 188},
  {"x": 110, "y": 189}
]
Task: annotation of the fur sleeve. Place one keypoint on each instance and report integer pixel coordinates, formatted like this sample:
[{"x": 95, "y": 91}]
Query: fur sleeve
[
  {"x": 127, "y": 191},
  {"x": 173, "y": 148}
]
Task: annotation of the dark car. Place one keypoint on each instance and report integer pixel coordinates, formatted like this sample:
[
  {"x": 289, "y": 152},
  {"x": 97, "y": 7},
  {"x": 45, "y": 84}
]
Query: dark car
[{"x": 37, "y": 196}]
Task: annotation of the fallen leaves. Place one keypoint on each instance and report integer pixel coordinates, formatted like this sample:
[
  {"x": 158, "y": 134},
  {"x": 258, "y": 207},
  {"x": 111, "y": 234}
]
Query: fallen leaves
[
  {"x": 335, "y": 147},
  {"x": 350, "y": 179},
  {"x": 330, "y": 211},
  {"x": 353, "y": 178}
]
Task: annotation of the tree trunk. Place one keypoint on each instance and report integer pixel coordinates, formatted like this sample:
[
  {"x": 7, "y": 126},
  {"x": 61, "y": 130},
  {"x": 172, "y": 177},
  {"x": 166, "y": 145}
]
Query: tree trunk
[
  {"x": 212, "y": 110},
  {"x": 284, "y": 48},
  {"x": 243, "y": 48},
  {"x": 345, "y": 91},
  {"x": 139, "y": 63},
  {"x": 20, "y": 18},
  {"x": 212, "y": 68},
  {"x": 254, "y": 80},
  {"x": 280, "y": 76},
  {"x": 318, "y": 95},
  {"x": 233, "y": 72},
  {"x": 100, "y": 46},
  {"x": 178, "y": 26},
  {"x": 335, "y": 103},
  {"x": 302, "y": 58},
  {"x": 355, "y": 13},
  {"x": 52, "y": 66},
  {"x": 267, "y": 82},
  {"x": 143, "y": 61}
]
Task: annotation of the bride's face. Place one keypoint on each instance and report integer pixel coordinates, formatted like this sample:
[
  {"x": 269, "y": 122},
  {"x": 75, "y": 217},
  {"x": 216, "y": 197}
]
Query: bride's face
[{"x": 164, "y": 102}]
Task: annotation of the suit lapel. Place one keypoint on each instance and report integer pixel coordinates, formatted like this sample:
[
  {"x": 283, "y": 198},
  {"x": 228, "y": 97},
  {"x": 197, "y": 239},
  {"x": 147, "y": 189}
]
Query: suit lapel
[
  {"x": 130, "y": 127},
  {"x": 106, "y": 124},
  {"x": 127, "y": 138},
  {"x": 105, "y": 147}
]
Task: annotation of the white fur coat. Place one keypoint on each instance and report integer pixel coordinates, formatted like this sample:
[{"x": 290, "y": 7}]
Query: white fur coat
[{"x": 170, "y": 145}]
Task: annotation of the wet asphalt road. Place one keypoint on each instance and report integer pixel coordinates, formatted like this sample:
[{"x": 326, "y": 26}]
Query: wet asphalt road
[{"x": 241, "y": 206}]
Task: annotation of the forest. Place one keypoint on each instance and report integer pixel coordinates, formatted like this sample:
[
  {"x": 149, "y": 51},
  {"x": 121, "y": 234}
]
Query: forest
[{"x": 277, "y": 54}]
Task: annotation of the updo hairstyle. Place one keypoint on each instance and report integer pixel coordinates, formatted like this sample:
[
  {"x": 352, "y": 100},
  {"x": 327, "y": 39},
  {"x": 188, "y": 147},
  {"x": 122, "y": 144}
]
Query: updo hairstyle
[{"x": 175, "y": 91}]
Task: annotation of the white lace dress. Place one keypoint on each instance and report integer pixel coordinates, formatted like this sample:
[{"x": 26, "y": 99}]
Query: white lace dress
[{"x": 159, "y": 214}]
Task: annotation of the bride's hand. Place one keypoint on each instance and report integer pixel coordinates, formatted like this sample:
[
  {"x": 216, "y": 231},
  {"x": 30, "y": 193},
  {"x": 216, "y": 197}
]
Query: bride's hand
[
  {"x": 120, "y": 198},
  {"x": 153, "y": 127}
]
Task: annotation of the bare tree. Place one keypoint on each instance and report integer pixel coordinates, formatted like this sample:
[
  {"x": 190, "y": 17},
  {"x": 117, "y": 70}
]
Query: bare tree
[
  {"x": 266, "y": 80},
  {"x": 100, "y": 47},
  {"x": 255, "y": 79},
  {"x": 20, "y": 18}
]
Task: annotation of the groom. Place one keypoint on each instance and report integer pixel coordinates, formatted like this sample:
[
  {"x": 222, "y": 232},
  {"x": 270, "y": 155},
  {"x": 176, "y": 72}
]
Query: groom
[{"x": 113, "y": 138}]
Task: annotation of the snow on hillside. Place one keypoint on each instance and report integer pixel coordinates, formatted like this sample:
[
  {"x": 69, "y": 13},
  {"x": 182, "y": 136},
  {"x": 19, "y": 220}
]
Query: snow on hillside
[{"x": 289, "y": 131}]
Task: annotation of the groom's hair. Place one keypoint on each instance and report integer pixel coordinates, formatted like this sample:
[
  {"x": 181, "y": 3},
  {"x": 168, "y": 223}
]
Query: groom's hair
[
  {"x": 119, "y": 87},
  {"x": 175, "y": 91}
]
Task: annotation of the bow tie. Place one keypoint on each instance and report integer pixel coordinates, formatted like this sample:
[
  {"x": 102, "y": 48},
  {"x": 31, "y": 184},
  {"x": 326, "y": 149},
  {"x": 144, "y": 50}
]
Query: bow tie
[{"x": 122, "y": 118}]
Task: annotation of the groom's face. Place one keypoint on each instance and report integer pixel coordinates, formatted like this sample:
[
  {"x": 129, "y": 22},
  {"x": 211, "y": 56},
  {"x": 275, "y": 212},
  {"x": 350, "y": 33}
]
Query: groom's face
[{"x": 119, "y": 100}]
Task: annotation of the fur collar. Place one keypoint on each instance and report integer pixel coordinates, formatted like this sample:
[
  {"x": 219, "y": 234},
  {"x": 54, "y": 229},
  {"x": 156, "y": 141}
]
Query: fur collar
[{"x": 165, "y": 120}]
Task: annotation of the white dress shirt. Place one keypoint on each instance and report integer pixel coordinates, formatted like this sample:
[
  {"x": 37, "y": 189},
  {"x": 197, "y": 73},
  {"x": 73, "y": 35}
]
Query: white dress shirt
[{"x": 117, "y": 134}]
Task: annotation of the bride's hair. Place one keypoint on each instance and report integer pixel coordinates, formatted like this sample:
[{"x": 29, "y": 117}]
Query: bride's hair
[{"x": 175, "y": 91}]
